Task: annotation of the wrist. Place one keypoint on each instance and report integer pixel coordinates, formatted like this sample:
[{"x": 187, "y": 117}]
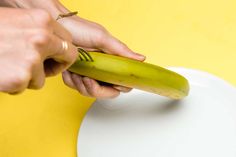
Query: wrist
[{"x": 54, "y": 7}]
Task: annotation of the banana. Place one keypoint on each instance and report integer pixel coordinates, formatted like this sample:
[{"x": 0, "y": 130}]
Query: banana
[{"x": 131, "y": 73}]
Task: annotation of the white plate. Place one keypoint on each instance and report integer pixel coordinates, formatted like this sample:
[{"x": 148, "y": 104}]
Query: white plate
[{"x": 140, "y": 124}]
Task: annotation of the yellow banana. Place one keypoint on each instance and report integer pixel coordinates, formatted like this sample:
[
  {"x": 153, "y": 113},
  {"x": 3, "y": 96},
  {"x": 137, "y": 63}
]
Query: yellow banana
[{"x": 131, "y": 73}]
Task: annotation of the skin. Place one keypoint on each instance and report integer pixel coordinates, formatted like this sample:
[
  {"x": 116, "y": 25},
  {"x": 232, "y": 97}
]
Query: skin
[
  {"x": 88, "y": 35},
  {"x": 31, "y": 49}
]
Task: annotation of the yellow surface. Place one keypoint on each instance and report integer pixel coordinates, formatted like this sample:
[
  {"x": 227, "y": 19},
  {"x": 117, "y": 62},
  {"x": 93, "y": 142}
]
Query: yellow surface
[{"x": 198, "y": 34}]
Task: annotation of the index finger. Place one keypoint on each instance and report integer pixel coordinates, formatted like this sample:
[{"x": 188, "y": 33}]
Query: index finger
[{"x": 59, "y": 55}]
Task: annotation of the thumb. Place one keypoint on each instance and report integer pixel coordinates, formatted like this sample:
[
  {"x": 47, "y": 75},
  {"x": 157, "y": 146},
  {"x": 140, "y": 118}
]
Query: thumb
[{"x": 113, "y": 46}]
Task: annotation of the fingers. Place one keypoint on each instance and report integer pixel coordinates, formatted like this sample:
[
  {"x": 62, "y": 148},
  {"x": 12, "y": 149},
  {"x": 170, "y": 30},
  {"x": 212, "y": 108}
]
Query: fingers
[
  {"x": 122, "y": 88},
  {"x": 66, "y": 76},
  {"x": 113, "y": 46},
  {"x": 94, "y": 89},
  {"x": 53, "y": 42},
  {"x": 66, "y": 53},
  {"x": 14, "y": 79},
  {"x": 41, "y": 47},
  {"x": 38, "y": 78},
  {"x": 80, "y": 86},
  {"x": 60, "y": 56},
  {"x": 92, "y": 37},
  {"x": 88, "y": 34},
  {"x": 91, "y": 88}
]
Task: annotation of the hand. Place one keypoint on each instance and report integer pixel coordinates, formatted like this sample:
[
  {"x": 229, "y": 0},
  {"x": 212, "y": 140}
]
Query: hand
[
  {"x": 90, "y": 36},
  {"x": 94, "y": 37},
  {"x": 31, "y": 49}
]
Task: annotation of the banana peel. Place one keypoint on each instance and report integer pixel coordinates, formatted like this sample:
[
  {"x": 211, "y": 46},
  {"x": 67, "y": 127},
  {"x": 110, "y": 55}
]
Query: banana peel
[{"x": 132, "y": 73}]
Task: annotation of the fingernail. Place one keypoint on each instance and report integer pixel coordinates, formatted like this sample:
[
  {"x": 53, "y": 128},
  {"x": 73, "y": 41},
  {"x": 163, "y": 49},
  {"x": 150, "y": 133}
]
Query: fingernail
[
  {"x": 118, "y": 88},
  {"x": 140, "y": 56}
]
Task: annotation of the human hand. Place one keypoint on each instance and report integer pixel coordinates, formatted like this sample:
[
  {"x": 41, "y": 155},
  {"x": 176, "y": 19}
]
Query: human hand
[
  {"x": 94, "y": 37},
  {"x": 31, "y": 49},
  {"x": 90, "y": 36}
]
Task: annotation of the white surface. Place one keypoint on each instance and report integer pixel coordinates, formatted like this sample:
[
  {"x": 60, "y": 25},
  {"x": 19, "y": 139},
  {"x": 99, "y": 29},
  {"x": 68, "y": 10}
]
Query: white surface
[{"x": 140, "y": 124}]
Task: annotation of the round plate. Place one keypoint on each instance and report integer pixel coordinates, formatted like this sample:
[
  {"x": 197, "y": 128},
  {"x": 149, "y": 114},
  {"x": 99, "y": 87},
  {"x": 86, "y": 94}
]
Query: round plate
[{"x": 139, "y": 124}]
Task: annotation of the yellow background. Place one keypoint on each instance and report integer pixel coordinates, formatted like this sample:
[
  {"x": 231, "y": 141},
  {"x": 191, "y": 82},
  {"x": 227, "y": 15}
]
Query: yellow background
[{"x": 198, "y": 34}]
